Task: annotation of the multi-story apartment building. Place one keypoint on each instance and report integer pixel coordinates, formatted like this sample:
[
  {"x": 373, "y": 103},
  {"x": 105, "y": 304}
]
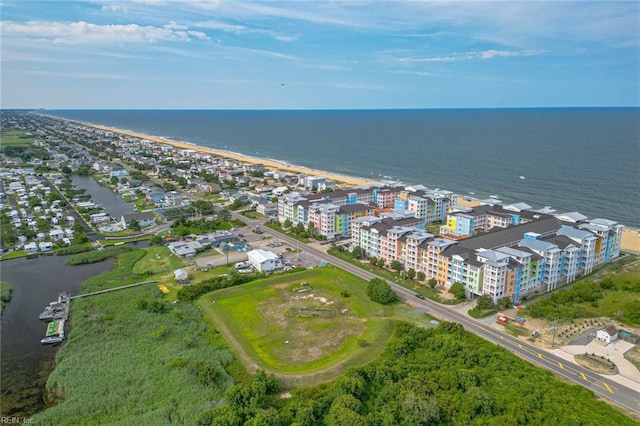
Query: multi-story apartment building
[
  {"x": 609, "y": 235},
  {"x": 540, "y": 254}
]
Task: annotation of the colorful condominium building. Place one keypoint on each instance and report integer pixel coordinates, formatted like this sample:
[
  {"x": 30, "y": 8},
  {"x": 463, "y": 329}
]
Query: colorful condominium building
[{"x": 493, "y": 249}]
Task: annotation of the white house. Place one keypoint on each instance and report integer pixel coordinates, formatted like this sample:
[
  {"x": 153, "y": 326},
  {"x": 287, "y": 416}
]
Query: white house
[
  {"x": 31, "y": 248},
  {"x": 145, "y": 219},
  {"x": 181, "y": 276},
  {"x": 57, "y": 234},
  {"x": 264, "y": 261},
  {"x": 100, "y": 217},
  {"x": 45, "y": 246},
  {"x": 607, "y": 334}
]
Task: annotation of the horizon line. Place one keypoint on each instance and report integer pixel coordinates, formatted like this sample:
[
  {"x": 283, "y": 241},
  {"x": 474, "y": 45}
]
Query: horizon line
[{"x": 324, "y": 109}]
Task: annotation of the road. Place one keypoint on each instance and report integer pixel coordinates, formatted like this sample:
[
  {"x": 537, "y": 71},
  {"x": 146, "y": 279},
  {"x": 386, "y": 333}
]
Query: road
[{"x": 613, "y": 391}]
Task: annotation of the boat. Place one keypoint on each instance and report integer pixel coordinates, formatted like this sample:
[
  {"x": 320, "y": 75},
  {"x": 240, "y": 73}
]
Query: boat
[
  {"x": 52, "y": 340},
  {"x": 56, "y": 309},
  {"x": 522, "y": 177},
  {"x": 493, "y": 196},
  {"x": 52, "y": 314}
]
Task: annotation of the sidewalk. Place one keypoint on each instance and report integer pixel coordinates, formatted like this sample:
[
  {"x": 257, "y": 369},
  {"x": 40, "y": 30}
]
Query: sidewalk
[{"x": 628, "y": 375}]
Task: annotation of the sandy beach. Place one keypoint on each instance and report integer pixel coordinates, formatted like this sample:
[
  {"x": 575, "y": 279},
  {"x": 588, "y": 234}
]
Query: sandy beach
[
  {"x": 271, "y": 164},
  {"x": 630, "y": 241}
]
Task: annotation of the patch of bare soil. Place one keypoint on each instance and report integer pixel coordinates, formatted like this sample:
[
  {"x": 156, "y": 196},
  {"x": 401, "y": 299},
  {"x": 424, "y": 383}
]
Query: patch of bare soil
[
  {"x": 596, "y": 363},
  {"x": 633, "y": 356},
  {"x": 443, "y": 292},
  {"x": 306, "y": 321}
]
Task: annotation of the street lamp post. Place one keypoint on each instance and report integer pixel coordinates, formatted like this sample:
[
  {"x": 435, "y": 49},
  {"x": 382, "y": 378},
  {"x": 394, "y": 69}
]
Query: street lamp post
[
  {"x": 226, "y": 250},
  {"x": 555, "y": 327}
]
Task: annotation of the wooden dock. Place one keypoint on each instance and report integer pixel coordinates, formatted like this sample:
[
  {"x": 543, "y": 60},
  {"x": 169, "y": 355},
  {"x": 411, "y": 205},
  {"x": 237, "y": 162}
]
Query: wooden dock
[{"x": 95, "y": 293}]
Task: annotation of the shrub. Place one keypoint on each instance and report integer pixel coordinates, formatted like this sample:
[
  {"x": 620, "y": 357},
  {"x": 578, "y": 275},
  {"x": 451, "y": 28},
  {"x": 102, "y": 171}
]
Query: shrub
[{"x": 379, "y": 291}]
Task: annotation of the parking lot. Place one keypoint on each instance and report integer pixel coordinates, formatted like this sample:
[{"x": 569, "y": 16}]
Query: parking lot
[{"x": 214, "y": 258}]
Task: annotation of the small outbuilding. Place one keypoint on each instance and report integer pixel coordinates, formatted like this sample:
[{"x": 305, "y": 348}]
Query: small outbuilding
[
  {"x": 181, "y": 276},
  {"x": 607, "y": 334}
]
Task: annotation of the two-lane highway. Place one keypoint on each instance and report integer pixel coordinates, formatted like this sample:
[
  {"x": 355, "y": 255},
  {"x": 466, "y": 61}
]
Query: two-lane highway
[{"x": 617, "y": 393}]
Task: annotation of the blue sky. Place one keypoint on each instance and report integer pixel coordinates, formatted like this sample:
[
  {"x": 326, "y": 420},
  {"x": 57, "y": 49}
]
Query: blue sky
[{"x": 154, "y": 54}]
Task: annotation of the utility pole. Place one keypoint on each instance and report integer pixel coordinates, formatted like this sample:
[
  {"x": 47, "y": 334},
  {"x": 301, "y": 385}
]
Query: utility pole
[{"x": 555, "y": 327}]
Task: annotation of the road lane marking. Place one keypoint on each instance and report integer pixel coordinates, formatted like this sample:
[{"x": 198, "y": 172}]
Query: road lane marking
[
  {"x": 637, "y": 402},
  {"x": 519, "y": 345},
  {"x": 539, "y": 355},
  {"x": 608, "y": 388},
  {"x": 561, "y": 366},
  {"x": 584, "y": 377}
]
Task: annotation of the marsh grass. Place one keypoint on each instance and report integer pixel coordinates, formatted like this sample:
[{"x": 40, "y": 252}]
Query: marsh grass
[{"x": 124, "y": 363}]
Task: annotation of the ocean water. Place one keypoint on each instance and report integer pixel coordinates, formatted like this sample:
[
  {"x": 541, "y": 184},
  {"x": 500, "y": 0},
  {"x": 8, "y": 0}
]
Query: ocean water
[{"x": 572, "y": 159}]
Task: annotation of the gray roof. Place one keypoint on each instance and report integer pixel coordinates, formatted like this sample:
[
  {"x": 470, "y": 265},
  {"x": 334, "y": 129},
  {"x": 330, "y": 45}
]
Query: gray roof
[
  {"x": 571, "y": 217},
  {"x": 353, "y": 208},
  {"x": 573, "y": 233},
  {"x": 537, "y": 244},
  {"x": 512, "y": 235}
]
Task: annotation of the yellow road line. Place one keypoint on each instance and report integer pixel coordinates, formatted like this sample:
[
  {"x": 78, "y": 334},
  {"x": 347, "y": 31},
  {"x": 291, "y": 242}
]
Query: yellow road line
[
  {"x": 637, "y": 402},
  {"x": 519, "y": 345},
  {"x": 561, "y": 366},
  {"x": 539, "y": 355},
  {"x": 584, "y": 377},
  {"x": 607, "y": 386}
]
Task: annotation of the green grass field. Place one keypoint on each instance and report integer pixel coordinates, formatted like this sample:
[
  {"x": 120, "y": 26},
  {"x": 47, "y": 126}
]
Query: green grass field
[
  {"x": 326, "y": 331},
  {"x": 618, "y": 301},
  {"x": 14, "y": 138}
]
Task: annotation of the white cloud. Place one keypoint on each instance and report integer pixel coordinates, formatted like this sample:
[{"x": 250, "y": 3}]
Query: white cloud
[
  {"x": 469, "y": 56},
  {"x": 87, "y": 33},
  {"x": 87, "y": 76}
]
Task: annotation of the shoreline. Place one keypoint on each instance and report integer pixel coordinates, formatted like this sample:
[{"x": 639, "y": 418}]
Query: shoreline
[
  {"x": 632, "y": 236},
  {"x": 267, "y": 162}
]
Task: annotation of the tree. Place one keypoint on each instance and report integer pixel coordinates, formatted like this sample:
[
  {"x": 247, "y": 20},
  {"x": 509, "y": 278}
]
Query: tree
[
  {"x": 433, "y": 282},
  {"x": 357, "y": 252},
  {"x": 396, "y": 266},
  {"x": 287, "y": 224},
  {"x": 84, "y": 170},
  {"x": 457, "y": 289},
  {"x": 421, "y": 276},
  {"x": 156, "y": 240},
  {"x": 311, "y": 228},
  {"x": 411, "y": 273},
  {"x": 505, "y": 303},
  {"x": 134, "y": 225},
  {"x": 373, "y": 261},
  {"x": 485, "y": 302},
  {"x": 114, "y": 180},
  {"x": 224, "y": 215},
  {"x": 379, "y": 291},
  {"x": 66, "y": 170}
]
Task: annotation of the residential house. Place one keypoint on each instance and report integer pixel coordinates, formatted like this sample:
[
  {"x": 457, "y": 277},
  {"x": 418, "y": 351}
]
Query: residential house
[
  {"x": 181, "y": 276},
  {"x": 144, "y": 219},
  {"x": 607, "y": 334},
  {"x": 263, "y": 260}
]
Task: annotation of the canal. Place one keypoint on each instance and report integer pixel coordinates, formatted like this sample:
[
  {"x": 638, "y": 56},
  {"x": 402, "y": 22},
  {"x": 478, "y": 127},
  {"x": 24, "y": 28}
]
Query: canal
[{"x": 110, "y": 200}]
